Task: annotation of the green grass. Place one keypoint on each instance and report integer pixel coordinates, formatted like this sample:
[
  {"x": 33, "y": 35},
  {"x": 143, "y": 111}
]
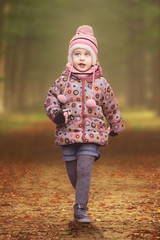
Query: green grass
[
  {"x": 139, "y": 120},
  {"x": 20, "y": 121}
]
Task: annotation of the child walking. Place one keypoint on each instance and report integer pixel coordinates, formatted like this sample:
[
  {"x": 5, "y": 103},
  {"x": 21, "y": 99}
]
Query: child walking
[{"x": 78, "y": 103}]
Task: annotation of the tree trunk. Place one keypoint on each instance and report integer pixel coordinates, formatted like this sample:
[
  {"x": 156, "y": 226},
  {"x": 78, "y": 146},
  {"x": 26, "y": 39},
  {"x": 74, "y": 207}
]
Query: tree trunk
[
  {"x": 4, "y": 9},
  {"x": 155, "y": 62},
  {"x": 156, "y": 67},
  {"x": 20, "y": 77},
  {"x": 10, "y": 69},
  {"x": 136, "y": 58},
  {"x": 16, "y": 72},
  {"x": 156, "y": 82}
]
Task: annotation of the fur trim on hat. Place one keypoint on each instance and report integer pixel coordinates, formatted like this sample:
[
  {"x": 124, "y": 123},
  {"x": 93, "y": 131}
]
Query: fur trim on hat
[{"x": 94, "y": 58}]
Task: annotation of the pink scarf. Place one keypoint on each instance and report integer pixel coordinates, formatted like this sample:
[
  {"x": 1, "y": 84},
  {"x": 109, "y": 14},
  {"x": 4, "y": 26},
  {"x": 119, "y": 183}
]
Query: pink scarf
[{"x": 88, "y": 75}]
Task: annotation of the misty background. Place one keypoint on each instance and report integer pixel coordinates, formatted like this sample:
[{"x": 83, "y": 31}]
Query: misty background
[{"x": 34, "y": 38}]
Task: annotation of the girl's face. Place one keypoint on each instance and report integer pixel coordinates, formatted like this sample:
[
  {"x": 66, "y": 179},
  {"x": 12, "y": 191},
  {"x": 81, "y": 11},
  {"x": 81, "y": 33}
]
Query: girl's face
[{"x": 82, "y": 59}]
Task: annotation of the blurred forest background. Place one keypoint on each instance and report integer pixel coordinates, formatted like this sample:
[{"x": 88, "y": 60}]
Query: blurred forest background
[{"x": 34, "y": 38}]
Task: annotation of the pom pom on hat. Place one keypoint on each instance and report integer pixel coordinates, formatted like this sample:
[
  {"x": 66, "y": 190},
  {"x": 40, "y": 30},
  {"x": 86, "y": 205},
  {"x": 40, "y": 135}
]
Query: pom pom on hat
[
  {"x": 85, "y": 29},
  {"x": 84, "y": 38}
]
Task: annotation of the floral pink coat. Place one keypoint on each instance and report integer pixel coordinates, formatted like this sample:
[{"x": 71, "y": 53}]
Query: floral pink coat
[{"x": 85, "y": 125}]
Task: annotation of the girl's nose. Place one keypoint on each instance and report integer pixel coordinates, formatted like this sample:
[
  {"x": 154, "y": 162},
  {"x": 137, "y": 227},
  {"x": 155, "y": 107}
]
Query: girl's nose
[{"x": 82, "y": 57}]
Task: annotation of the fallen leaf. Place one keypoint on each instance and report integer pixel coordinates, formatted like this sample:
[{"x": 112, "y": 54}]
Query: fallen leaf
[
  {"x": 6, "y": 204},
  {"x": 144, "y": 218},
  {"x": 98, "y": 220},
  {"x": 36, "y": 195},
  {"x": 102, "y": 205},
  {"x": 89, "y": 214}
]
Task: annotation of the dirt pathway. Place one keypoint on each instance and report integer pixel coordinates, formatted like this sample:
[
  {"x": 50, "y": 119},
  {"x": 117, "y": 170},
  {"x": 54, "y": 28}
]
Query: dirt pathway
[{"x": 37, "y": 200}]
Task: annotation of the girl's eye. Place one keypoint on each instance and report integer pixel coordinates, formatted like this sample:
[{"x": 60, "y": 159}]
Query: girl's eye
[
  {"x": 87, "y": 54},
  {"x": 77, "y": 54}
]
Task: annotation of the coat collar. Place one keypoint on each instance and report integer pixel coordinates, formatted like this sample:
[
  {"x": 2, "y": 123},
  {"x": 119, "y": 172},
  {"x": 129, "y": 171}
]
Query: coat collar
[{"x": 88, "y": 75}]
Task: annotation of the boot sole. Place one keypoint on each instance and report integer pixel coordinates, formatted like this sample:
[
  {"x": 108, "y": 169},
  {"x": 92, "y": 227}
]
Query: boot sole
[{"x": 83, "y": 220}]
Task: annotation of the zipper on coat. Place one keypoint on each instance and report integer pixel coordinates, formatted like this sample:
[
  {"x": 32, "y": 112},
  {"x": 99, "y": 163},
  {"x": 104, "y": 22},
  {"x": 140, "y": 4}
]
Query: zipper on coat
[{"x": 83, "y": 115}]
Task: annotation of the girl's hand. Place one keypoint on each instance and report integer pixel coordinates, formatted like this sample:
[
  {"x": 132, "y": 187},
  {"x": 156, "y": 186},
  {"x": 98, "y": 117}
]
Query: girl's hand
[
  {"x": 113, "y": 134},
  {"x": 66, "y": 114},
  {"x": 61, "y": 116}
]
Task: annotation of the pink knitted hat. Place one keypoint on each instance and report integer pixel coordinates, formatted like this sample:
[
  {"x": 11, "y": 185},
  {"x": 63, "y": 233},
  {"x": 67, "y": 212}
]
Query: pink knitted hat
[{"x": 84, "y": 38}]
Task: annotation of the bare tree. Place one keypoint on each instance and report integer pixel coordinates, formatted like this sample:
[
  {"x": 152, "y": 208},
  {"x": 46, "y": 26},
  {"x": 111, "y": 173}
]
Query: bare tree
[{"x": 4, "y": 9}]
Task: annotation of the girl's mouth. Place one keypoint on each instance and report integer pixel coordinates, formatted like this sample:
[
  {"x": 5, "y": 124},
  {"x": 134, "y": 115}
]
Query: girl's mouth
[{"x": 82, "y": 65}]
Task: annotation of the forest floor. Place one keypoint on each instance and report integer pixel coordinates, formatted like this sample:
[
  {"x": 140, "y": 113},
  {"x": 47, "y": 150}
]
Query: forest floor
[{"x": 37, "y": 199}]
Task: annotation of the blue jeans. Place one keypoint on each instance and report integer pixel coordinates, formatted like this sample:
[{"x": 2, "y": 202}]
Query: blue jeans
[{"x": 70, "y": 152}]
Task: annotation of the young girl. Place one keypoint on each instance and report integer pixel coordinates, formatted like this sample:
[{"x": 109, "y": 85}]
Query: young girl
[{"x": 78, "y": 102}]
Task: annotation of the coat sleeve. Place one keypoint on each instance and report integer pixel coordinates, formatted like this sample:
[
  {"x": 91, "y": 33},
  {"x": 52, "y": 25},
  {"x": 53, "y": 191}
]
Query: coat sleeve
[
  {"x": 111, "y": 110},
  {"x": 52, "y": 104}
]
